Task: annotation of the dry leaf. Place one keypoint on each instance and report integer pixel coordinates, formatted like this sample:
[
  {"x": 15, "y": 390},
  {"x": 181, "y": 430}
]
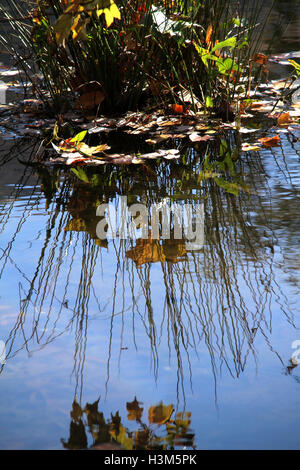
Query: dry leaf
[
  {"x": 261, "y": 59},
  {"x": 194, "y": 137},
  {"x": 208, "y": 35},
  {"x": 178, "y": 108},
  {"x": 270, "y": 141},
  {"x": 90, "y": 99},
  {"x": 283, "y": 119},
  {"x": 246, "y": 147}
]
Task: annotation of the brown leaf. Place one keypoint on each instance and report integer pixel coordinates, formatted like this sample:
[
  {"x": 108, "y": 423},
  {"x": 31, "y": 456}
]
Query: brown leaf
[
  {"x": 261, "y": 59},
  {"x": 270, "y": 141},
  {"x": 283, "y": 119},
  {"x": 90, "y": 99}
]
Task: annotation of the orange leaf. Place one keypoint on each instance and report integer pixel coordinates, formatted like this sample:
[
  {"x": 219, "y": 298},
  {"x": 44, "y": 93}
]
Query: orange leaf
[
  {"x": 177, "y": 108},
  {"x": 208, "y": 35},
  {"x": 283, "y": 119},
  {"x": 261, "y": 59},
  {"x": 270, "y": 141}
]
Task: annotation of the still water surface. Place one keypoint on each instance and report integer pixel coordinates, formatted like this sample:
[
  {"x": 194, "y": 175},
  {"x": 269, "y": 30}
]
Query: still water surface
[{"x": 144, "y": 323}]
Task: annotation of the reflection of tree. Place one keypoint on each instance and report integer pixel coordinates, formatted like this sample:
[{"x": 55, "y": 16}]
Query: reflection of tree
[
  {"x": 162, "y": 430},
  {"x": 219, "y": 297}
]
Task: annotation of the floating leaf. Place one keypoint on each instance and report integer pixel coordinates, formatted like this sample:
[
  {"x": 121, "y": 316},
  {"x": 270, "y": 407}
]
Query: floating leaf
[
  {"x": 79, "y": 137},
  {"x": 195, "y": 137},
  {"x": 270, "y": 141},
  {"x": 283, "y": 119},
  {"x": 246, "y": 147}
]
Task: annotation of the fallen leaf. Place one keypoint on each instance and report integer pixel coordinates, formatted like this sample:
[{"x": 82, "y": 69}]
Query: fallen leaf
[
  {"x": 195, "y": 137},
  {"x": 284, "y": 119},
  {"x": 270, "y": 141},
  {"x": 159, "y": 138},
  {"x": 246, "y": 147},
  {"x": 178, "y": 108}
]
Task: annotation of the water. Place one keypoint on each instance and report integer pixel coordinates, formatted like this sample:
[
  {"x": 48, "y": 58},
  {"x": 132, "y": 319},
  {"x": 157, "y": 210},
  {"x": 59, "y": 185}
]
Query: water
[{"x": 145, "y": 325}]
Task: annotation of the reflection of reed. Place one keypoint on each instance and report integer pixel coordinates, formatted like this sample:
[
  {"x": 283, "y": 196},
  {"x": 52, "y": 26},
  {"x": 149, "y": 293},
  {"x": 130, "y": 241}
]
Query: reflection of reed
[{"x": 218, "y": 297}]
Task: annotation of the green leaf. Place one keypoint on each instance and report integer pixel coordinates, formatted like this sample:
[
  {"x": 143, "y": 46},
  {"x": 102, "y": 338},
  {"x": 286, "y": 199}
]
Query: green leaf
[
  {"x": 230, "y": 42},
  {"x": 79, "y": 137},
  {"x": 209, "y": 102},
  {"x": 204, "y": 53}
]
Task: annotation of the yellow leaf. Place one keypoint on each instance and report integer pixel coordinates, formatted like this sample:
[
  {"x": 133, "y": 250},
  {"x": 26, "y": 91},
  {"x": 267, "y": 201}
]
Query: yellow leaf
[
  {"x": 108, "y": 17},
  {"x": 160, "y": 414},
  {"x": 63, "y": 27}
]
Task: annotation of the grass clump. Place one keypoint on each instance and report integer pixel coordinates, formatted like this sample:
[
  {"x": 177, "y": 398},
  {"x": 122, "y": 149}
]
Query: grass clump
[{"x": 134, "y": 54}]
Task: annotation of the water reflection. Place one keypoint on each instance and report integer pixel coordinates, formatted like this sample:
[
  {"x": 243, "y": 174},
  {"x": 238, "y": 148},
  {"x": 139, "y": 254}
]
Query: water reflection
[
  {"x": 145, "y": 293},
  {"x": 161, "y": 428}
]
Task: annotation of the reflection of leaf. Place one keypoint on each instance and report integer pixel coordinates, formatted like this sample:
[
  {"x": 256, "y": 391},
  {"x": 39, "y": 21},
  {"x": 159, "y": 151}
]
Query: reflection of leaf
[
  {"x": 151, "y": 251},
  {"x": 146, "y": 251},
  {"x": 81, "y": 174},
  {"x": 76, "y": 412},
  {"x": 76, "y": 225},
  {"x": 232, "y": 188},
  {"x": 160, "y": 414},
  {"x": 134, "y": 410},
  {"x": 77, "y": 439},
  {"x": 119, "y": 433},
  {"x": 142, "y": 438},
  {"x": 209, "y": 102}
]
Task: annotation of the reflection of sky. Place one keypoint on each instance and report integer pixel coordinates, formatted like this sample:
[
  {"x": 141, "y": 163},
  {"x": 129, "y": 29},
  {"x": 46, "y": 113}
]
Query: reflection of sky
[{"x": 259, "y": 409}]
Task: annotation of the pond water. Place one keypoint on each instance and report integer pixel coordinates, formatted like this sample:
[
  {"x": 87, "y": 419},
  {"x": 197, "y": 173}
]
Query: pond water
[{"x": 201, "y": 334}]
